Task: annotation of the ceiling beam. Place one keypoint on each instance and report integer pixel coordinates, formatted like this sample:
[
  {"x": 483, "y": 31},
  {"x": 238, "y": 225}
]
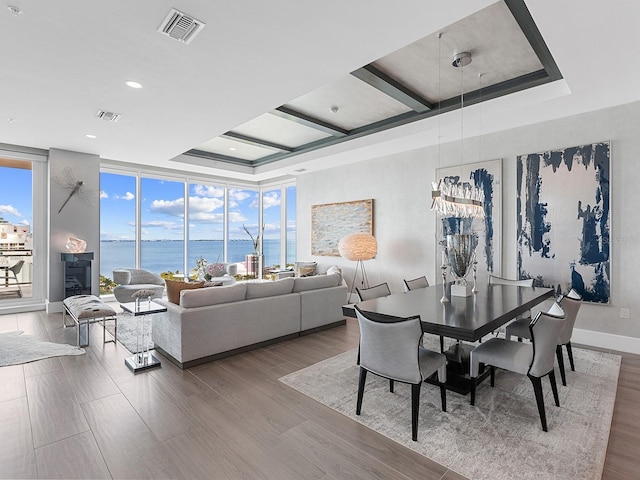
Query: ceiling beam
[
  {"x": 256, "y": 141},
  {"x": 307, "y": 121},
  {"x": 390, "y": 87}
]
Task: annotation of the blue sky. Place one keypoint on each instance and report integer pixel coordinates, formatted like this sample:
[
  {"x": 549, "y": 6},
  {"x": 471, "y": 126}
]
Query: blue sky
[
  {"x": 16, "y": 203},
  {"x": 163, "y": 210}
]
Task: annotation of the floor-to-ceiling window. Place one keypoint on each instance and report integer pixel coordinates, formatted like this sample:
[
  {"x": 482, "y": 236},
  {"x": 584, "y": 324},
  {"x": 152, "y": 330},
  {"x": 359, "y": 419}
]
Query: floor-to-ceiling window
[
  {"x": 205, "y": 224},
  {"x": 117, "y": 226},
  {"x": 290, "y": 232},
  {"x": 272, "y": 221},
  {"x": 162, "y": 226},
  {"x": 16, "y": 236},
  {"x": 166, "y": 224}
]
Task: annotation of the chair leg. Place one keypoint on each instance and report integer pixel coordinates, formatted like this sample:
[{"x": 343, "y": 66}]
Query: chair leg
[
  {"x": 361, "y": 382},
  {"x": 554, "y": 387},
  {"x": 474, "y": 383},
  {"x": 493, "y": 375},
  {"x": 391, "y": 385},
  {"x": 415, "y": 406},
  {"x": 537, "y": 389},
  {"x": 570, "y": 353},
  {"x": 441, "y": 344},
  {"x": 561, "y": 364},
  {"x": 358, "y": 360},
  {"x": 443, "y": 396}
]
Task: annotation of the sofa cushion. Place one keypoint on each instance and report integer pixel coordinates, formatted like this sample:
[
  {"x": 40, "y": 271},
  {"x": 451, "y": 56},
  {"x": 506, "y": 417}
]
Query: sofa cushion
[
  {"x": 305, "y": 269},
  {"x": 213, "y": 295},
  {"x": 174, "y": 288},
  {"x": 304, "y": 284},
  {"x": 335, "y": 269},
  {"x": 269, "y": 289}
]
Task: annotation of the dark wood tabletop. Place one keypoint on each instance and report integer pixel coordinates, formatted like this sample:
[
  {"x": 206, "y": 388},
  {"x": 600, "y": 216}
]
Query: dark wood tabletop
[{"x": 465, "y": 318}]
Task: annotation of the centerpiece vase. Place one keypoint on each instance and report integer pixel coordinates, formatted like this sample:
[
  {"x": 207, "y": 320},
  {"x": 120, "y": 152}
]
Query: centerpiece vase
[
  {"x": 253, "y": 264},
  {"x": 461, "y": 252}
]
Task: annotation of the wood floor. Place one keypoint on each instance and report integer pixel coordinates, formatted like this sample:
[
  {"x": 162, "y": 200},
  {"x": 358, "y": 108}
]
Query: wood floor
[{"x": 88, "y": 416}]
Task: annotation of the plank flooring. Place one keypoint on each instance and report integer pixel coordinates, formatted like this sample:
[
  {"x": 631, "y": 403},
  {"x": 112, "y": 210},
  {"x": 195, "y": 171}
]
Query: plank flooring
[{"x": 88, "y": 416}]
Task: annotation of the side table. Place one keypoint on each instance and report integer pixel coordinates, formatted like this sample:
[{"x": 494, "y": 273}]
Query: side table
[{"x": 143, "y": 359}]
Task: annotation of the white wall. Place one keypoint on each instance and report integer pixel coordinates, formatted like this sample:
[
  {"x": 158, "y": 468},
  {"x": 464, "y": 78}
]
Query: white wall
[
  {"x": 404, "y": 225},
  {"x": 79, "y": 218}
]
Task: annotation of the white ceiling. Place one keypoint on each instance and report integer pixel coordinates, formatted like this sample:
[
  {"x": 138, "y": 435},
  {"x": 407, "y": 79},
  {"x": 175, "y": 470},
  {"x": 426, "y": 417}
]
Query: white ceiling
[{"x": 62, "y": 61}]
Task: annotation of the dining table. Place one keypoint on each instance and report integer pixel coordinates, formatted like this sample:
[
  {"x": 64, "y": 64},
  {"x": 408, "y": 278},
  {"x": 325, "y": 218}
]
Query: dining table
[{"x": 465, "y": 319}]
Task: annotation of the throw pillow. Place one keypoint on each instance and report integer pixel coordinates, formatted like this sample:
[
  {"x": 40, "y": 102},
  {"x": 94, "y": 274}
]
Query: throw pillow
[
  {"x": 305, "y": 269},
  {"x": 174, "y": 288}
]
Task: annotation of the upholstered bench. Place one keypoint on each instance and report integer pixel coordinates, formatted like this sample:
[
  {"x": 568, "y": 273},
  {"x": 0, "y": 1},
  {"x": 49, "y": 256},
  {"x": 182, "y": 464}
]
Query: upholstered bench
[{"x": 85, "y": 310}]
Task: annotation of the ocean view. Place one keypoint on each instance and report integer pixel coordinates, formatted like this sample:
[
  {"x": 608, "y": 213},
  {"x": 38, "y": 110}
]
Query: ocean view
[{"x": 167, "y": 255}]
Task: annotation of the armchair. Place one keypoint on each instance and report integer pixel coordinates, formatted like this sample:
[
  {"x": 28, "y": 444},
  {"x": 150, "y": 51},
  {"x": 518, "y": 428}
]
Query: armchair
[{"x": 131, "y": 280}]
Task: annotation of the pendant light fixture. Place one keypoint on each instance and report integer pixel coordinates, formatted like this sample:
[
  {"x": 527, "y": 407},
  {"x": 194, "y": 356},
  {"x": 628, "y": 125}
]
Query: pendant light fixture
[{"x": 458, "y": 199}]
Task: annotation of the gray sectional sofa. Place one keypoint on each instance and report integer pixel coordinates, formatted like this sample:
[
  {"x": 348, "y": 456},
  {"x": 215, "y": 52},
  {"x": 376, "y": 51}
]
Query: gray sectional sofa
[{"x": 213, "y": 322}]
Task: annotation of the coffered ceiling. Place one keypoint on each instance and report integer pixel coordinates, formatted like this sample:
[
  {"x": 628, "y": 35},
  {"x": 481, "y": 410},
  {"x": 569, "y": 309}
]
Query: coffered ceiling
[{"x": 270, "y": 89}]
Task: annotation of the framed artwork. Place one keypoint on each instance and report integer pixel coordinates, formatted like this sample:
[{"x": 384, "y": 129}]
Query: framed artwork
[
  {"x": 563, "y": 220},
  {"x": 332, "y": 221},
  {"x": 486, "y": 176}
]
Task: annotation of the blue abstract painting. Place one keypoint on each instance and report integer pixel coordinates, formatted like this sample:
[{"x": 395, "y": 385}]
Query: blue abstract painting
[
  {"x": 486, "y": 176},
  {"x": 563, "y": 220}
]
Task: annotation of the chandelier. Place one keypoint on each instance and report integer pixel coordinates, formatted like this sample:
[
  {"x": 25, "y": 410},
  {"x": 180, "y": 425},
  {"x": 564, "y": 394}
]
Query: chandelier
[{"x": 450, "y": 198}]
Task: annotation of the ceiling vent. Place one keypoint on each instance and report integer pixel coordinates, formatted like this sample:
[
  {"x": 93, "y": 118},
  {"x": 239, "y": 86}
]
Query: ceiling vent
[
  {"x": 180, "y": 26},
  {"x": 108, "y": 116}
]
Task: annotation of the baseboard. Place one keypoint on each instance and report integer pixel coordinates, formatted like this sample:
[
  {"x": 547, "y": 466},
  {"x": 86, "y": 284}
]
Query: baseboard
[
  {"x": 608, "y": 341},
  {"x": 53, "y": 307},
  {"x": 323, "y": 327}
]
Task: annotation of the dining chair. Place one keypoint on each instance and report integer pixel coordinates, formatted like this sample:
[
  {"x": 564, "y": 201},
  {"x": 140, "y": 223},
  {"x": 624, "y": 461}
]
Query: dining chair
[
  {"x": 527, "y": 282},
  {"x": 535, "y": 359},
  {"x": 392, "y": 350},
  {"x": 420, "y": 282},
  {"x": 381, "y": 290},
  {"x": 15, "y": 271},
  {"x": 570, "y": 304}
]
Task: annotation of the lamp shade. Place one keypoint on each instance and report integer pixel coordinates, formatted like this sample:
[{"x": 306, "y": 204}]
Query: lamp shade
[{"x": 358, "y": 246}]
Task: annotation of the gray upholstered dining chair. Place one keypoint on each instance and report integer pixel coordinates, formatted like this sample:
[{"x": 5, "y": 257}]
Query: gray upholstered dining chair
[
  {"x": 420, "y": 282},
  {"x": 392, "y": 350},
  {"x": 535, "y": 359},
  {"x": 381, "y": 290},
  {"x": 570, "y": 304}
]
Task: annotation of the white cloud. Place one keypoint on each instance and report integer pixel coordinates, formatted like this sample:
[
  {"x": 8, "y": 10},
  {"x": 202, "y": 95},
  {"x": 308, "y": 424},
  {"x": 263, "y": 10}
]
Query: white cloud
[
  {"x": 208, "y": 191},
  {"x": 239, "y": 195},
  {"x": 169, "y": 207},
  {"x": 271, "y": 199},
  {"x": 25, "y": 222},
  {"x": 203, "y": 204},
  {"x": 9, "y": 210},
  {"x": 128, "y": 196},
  {"x": 235, "y": 217},
  {"x": 103, "y": 194},
  {"x": 206, "y": 217}
]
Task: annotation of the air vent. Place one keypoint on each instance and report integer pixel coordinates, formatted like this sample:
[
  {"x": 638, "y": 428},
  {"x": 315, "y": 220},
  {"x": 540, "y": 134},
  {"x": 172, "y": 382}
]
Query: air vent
[
  {"x": 180, "y": 26},
  {"x": 108, "y": 116}
]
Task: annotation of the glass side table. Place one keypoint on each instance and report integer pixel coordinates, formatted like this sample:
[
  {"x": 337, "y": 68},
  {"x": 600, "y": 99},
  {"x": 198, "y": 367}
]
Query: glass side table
[{"x": 143, "y": 359}]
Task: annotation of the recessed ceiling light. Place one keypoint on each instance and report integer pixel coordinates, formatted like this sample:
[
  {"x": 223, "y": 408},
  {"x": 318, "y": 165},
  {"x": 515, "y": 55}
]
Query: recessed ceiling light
[
  {"x": 90, "y": 135},
  {"x": 233, "y": 149},
  {"x": 133, "y": 84},
  {"x": 10, "y": 120},
  {"x": 14, "y": 10}
]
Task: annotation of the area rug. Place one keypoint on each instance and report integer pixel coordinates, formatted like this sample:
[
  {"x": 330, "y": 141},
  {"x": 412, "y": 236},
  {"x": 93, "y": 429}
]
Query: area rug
[
  {"x": 129, "y": 328},
  {"x": 16, "y": 348},
  {"x": 500, "y": 438}
]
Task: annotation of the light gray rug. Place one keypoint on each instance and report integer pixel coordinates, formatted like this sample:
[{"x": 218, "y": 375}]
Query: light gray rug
[
  {"x": 16, "y": 348},
  {"x": 128, "y": 329},
  {"x": 500, "y": 438}
]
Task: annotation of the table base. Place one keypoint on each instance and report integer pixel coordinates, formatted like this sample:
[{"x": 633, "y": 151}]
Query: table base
[
  {"x": 142, "y": 361},
  {"x": 458, "y": 379}
]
